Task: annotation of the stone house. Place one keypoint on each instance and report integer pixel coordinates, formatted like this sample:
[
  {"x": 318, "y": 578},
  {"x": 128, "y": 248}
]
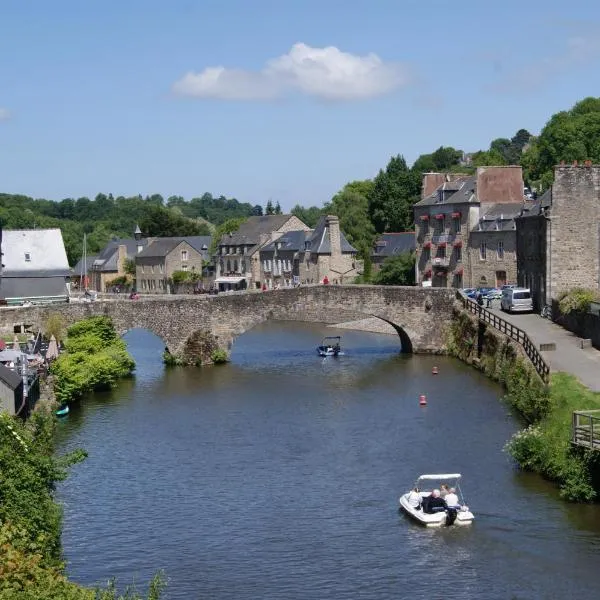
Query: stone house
[
  {"x": 460, "y": 220},
  {"x": 156, "y": 263},
  {"x": 237, "y": 260},
  {"x": 35, "y": 267},
  {"x": 388, "y": 245},
  {"x": 308, "y": 256},
  {"x": 558, "y": 235},
  {"x": 110, "y": 262}
]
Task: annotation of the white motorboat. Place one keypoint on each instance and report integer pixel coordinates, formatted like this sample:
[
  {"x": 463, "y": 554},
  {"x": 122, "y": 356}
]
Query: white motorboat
[
  {"x": 330, "y": 346},
  {"x": 442, "y": 516}
]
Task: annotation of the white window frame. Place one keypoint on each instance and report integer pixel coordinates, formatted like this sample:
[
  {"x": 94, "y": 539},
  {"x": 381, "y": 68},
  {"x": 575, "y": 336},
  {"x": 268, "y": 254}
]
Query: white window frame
[
  {"x": 483, "y": 250},
  {"x": 500, "y": 250},
  {"x": 184, "y": 255}
]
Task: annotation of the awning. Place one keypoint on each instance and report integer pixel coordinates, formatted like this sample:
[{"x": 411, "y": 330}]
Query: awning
[
  {"x": 229, "y": 279},
  {"x": 455, "y": 215},
  {"x": 424, "y": 217},
  {"x": 439, "y": 217}
]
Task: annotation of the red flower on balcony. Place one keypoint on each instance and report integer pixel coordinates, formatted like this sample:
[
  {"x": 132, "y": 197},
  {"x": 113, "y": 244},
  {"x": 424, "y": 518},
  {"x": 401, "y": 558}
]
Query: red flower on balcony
[
  {"x": 459, "y": 271},
  {"x": 424, "y": 217},
  {"x": 458, "y": 244},
  {"x": 427, "y": 245},
  {"x": 439, "y": 217},
  {"x": 441, "y": 245},
  {"x": 427, "y": 273},
  {"x": 455, "y": 215}
]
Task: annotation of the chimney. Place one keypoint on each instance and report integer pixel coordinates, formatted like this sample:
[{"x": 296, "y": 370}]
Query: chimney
[
  {"x": 122, "y": 257},
  {"x": 332, "y": 223}
]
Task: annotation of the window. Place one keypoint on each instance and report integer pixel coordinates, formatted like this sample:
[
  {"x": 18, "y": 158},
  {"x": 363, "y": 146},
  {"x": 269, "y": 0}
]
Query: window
[
  {"x": 482, "y": 251},
  {"x": 458, "y": 253},
  {"x": 456, "y": 224},
  {"x": 439, "y": 226},
  {"x": 151, "y": 268},
  {"x": 184, "y": 267},
  {"x": 142, "y": 268},
  {"x": 184, "y": 255},
  {"x": 500, "y": 249},
  {"x": 427, "y": 253},
  {"x": 27, "y": 256},
  {"x": 161, "y": 268},
  {"x": 425, "y": 227},
  {"x": 441, "y": 252}
]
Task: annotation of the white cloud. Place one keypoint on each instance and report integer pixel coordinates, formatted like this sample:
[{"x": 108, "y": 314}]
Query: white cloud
[
  {"x": 4, "y": 114},
  {"x": 326, "y": 73}
]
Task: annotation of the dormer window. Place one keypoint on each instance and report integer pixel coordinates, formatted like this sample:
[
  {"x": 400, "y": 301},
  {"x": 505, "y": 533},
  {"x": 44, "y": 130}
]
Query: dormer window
[{"x": 27, "y": 256}]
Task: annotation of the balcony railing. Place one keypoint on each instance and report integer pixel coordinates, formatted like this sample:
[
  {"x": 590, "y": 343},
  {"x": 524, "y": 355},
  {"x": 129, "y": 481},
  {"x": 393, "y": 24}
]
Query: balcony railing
[
  {"x": 447, "y": 238},
  {"x": 438, "y": 261}
]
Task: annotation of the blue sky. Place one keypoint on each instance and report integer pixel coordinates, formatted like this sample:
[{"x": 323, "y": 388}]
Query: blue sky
[{"x": 116, "y": 96}]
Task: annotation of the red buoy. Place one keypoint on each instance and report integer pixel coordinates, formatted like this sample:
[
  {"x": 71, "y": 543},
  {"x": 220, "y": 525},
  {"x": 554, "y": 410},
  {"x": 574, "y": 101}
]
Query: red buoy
[
  {"x": 422, "y": 400},
  {"x": 434, "y": 370}
]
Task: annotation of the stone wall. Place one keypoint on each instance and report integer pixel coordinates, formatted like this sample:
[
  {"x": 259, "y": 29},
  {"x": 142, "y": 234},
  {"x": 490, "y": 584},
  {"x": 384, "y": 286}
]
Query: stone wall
[
  {"x": 531, "y": 257},
  {"x": 419, "y": 315},
  {"x": 488, "y": 268},
  {"x": 574, "y": 241}
]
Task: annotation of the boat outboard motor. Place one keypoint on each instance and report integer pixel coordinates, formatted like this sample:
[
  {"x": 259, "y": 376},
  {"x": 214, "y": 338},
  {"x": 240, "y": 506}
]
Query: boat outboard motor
[{"x": 451, "y": 514}]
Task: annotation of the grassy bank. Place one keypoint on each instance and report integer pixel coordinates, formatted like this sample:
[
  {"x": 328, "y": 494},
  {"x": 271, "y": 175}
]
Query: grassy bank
[
  {"x": 544, "y": 446},
  {"x": 95, "y": 358}
]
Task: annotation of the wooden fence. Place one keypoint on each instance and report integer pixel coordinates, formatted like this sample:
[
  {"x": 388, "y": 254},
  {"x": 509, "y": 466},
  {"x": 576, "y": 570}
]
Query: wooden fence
[
  {"x": 586, "y": 429},
  {"x": 514, "y": 333}
]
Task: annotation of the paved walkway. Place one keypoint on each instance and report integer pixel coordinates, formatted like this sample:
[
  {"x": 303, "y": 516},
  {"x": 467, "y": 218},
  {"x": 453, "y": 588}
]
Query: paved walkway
[{"x": 584, "y": 363}]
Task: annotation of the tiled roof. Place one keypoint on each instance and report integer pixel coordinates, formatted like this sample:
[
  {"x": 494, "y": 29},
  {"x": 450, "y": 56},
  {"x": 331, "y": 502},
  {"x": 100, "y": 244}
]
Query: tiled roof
[
  {"x": 159, "y": 247},
  {"x": 390, "y": 244},
  {"x": 250, "y": 230},
  {"x": 463, "y": 192},
  {"x": 497, "y": 217},
  {"x": 291, "y": 240},
  {"x": 534, "y": 208},
  {"x": 319, "y": 241},
  {"x": 90, "y": 260},
  {"x": 107, "y": 259},
  {"x": 10, "y": 378},
  {"x": 34, "y": 250}
]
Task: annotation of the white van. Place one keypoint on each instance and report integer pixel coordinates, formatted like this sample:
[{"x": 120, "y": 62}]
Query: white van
[{"x": 516, "y": 299}]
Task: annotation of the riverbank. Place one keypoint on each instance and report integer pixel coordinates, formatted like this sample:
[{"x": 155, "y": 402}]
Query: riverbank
[{"x": 544, "y": 446}]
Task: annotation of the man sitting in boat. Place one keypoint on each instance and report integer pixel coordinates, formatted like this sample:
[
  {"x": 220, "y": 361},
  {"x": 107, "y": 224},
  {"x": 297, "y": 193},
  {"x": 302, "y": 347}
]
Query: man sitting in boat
[
  {"x": 451, "y": 499},
  {"x": 434, "y": 503}
]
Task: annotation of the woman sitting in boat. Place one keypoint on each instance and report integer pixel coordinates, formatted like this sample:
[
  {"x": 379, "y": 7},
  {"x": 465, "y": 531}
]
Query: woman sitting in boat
[
  {"x": 451, "y": 499},
  {"x": 414, "y": 498}
]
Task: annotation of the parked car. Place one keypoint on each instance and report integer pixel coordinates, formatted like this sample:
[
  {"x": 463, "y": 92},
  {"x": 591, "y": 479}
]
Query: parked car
[
  {"x": 494, "y": 294},
  {"x": 469, "y": 292},
  {"x": 509, "y": 286},
  {"x": 516, "y": 300}
]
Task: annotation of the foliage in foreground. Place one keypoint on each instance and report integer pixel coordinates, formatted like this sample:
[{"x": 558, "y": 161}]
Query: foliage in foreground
[
  {"x": 31, "y": 566},
  {"x": 397, "y": 270},
  {"x": 219, "y": 356},
  {"x": 95, "y": 359},
  {"x": 545, "y": 447},
  {"x": 577, "y": 300}
]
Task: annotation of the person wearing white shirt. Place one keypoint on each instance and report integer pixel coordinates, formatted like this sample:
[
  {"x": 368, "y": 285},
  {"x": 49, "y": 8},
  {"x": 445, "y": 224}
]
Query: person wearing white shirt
[
  {"x": 451, "y": 498},
  {"x": 414, "y": 498}
]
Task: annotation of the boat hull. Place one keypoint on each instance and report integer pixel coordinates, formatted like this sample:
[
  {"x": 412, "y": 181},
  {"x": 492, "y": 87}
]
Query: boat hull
[
  {"x": 328, "y": 352},
  {"x": 463, "y": 517}
]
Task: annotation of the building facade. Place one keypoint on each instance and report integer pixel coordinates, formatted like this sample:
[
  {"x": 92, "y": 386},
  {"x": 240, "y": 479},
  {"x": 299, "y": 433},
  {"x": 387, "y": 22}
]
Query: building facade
[
  {"x": 465, "y": 229},
  {"x": 558, "y": 235}
]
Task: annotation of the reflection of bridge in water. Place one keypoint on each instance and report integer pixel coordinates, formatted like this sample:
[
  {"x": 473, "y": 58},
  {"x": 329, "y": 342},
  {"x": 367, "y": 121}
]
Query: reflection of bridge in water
[{"x": 192, "y": 327}]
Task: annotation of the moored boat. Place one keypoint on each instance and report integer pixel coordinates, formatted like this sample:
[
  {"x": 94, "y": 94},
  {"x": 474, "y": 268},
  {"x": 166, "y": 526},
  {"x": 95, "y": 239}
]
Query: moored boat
[
  {"x": 415, "y": 503},
  {"x": 62, "y": 411}
]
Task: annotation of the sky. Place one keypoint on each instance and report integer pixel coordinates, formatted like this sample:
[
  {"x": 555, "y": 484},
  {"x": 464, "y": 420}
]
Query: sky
[{"x": 272, "y": 99}]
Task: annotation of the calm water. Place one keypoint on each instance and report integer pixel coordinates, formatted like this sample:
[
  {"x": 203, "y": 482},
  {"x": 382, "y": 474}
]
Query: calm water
[{"x": 277, "y": 477}]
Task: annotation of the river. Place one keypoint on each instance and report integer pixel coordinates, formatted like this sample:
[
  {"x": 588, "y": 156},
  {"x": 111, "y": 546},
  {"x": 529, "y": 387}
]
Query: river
[{"x": 277, "y": 476}]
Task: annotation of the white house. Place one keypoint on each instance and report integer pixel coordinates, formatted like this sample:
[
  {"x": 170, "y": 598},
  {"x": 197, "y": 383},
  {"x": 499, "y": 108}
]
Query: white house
[{"x": 35, "y": 267}]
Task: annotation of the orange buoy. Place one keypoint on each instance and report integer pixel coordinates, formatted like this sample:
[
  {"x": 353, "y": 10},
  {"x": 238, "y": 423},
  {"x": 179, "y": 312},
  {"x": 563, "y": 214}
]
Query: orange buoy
[
  {"x": 422, "y": 400},
  {"x": 434, "y": 370}
]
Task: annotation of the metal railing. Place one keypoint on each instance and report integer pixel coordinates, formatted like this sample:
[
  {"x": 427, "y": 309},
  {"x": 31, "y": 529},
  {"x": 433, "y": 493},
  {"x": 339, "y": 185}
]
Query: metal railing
[
  {"x": 514, "y": 333},
  {"x": 586, "y": 429}
]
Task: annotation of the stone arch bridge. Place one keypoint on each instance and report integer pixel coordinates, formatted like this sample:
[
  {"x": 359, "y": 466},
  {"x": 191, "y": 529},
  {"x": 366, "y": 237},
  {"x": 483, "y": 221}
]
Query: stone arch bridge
[{"x": 192, "y": 327}]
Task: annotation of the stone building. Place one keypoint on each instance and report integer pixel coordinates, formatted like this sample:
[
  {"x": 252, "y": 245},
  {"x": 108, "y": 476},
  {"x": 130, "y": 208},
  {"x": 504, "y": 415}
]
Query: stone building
[
  {"x": 388, "y": 245},
  {"x": 558, "y": 235},
  {"x": 110, "y": 263},
  {"x": 280, "y": 259},
  {"x": 162, "y": 257},
  {"x": 465, "y": 231},
  {"x": 237, "y": 260}
]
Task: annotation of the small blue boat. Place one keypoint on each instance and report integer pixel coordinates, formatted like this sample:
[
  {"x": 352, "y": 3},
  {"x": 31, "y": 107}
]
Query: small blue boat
[{"x": 62, "y": 411}]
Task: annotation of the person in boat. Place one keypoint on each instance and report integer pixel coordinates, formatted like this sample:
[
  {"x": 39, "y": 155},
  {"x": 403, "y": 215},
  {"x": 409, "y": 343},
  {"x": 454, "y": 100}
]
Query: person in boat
[
  {"x": 451, "y": 499},
  {"x": 414, "y": 499},
  {"x": 444, "y": 490},
  {"x": 337, "y": 348},
  {"x": 435, "y": 503}
]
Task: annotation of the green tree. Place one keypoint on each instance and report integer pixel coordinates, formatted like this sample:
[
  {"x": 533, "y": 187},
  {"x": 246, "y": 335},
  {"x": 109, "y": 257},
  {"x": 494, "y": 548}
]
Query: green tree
[
  {"x": 277, "y": 209},
  {"x": 269, "y": 209},
  {"x": 309, "y": 215},
  {"x": 391, "y": 200},
  {"x": 397, "y": 270},
  {"x": 487, "y": 158},
  {"x": 227, "y": 227}
]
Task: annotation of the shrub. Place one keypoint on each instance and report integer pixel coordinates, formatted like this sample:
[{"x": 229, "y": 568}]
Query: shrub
[
  {"x": 54, "y": 326},
  {"x": 577, "y": 300},
  {"x": 180, "y": 276},
  {"x": 219, "y": 356}
]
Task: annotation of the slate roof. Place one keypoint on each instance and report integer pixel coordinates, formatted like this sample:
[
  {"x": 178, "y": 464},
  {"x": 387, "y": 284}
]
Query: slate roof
[
  {"x": 250, "y": 230},
  {"x": 464, "y": 191},
  {"x": 32, "y": 287},
  {"x": 390, "y": 244},
  {"x": 534, "y": 208},
  {"x": 34, "y": 250},
  {"x": 159, "y": 248},
  {"x": 88, "y": 266},
  {"x": 10, "y": 378},
  {"x": 319, "y": 242},
  {"x": 107, "y": 259},
  {"x": 291, "y": 241},
  {"x": 498, "y": 217}
]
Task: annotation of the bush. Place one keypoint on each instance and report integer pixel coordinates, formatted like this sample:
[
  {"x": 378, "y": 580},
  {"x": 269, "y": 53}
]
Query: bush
[
  {"x": 577, "y": 300},
  {"x": 54, "y": 326},
  {"x": 219, "y": 356}
]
